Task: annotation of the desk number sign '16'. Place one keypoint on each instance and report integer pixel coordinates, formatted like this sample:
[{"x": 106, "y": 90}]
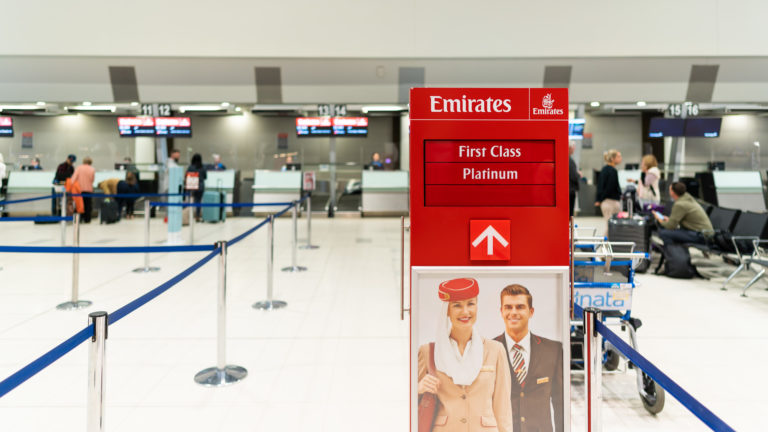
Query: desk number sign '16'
[{"x": 489, "y": 259}]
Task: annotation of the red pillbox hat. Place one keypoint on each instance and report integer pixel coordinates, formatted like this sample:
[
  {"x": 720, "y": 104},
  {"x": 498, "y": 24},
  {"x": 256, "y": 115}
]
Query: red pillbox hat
[{"x": 458, "y": 289}]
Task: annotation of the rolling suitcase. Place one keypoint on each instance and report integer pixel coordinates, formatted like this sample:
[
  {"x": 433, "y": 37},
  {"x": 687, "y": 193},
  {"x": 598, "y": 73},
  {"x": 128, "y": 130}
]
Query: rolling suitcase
[
  {"x": 637, "y": 230},
  {"x": 213, "y": 214},
  {"x": 110, "y": 211}
]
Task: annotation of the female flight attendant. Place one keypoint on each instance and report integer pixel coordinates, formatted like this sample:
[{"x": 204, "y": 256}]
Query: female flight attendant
[{"x": 471, "y": 374}]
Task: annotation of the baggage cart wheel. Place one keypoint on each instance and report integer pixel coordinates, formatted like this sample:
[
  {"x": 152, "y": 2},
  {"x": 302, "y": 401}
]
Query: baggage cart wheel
[
  {"x": 653, "y": 399},
  {"x": 611, "y": 360}
]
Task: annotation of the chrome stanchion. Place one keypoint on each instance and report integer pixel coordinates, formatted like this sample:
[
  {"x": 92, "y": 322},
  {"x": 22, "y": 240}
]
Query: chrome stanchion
[
  {"x": 63, "y": 223},
  {"x": 191, "y": 225},
  {"x": 294, "y": 241},
  {"x": 309, "y": 244},
  {"x": 222, "y": 374},
  {"x": 146, "y": 268},
  {"x": 75, "y": 303},
  {"x": 593, "y": 369},
  {"x": 270, "y": 304},
  {"x": 96, "y": 374}
]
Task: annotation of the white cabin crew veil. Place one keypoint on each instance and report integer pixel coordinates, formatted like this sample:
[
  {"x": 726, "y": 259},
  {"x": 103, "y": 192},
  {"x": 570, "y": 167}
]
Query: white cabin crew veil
[{"x": 463, "y": 370}]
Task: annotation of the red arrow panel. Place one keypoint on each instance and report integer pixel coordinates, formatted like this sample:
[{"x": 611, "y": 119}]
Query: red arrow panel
[{"x": 489, "y": 240}]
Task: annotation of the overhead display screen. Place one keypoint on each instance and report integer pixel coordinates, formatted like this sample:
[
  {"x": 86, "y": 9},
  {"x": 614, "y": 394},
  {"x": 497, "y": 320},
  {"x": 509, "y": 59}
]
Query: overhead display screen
[
  {"x": 6, "y": 127},
  {"x": 666, "y": 127},
  {"x": 173, "y": 127},
  {"x": 703, "y": 127},
  {"x": 350, "y": 126},
  {"x": 136, "y": 126},
  {"x": 576, "y": 129},
  {"x": 314, "y": 126},
  {"x": 332, "y": 126}
]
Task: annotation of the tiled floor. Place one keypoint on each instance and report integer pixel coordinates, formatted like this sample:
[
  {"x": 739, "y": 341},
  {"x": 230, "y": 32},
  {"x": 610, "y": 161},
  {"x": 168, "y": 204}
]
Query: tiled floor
[{"x": 336, "y": 359}]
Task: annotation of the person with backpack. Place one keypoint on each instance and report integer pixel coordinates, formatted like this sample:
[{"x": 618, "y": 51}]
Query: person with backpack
[
  {"x": 687, "y": 223},
  {"x": 194, "y": 181}
]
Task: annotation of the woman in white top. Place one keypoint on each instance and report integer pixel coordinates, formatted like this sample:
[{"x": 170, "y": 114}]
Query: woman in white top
[{"x": 648, "y": 189}]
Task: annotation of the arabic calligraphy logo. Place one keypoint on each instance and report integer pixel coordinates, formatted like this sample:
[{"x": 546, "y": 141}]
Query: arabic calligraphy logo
[{"x": 547, "y": 101}]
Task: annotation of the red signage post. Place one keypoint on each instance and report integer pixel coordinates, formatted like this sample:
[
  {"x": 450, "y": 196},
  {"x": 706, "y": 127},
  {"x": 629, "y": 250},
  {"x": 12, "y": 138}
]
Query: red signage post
[{"x": 489, "y": 258}]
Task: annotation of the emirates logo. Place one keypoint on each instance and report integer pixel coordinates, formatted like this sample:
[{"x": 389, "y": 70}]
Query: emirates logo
[{"x": 547, "y": 101}]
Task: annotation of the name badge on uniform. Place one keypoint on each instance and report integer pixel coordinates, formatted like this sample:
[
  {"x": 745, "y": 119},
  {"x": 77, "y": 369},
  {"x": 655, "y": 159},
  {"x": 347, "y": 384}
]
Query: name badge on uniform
[
  {"x": 542, "y": 380},
  {"x": 488, "y": 369}
]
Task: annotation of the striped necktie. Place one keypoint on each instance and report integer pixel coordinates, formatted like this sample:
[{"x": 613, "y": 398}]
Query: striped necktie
[{"x": 518, "y": 364}]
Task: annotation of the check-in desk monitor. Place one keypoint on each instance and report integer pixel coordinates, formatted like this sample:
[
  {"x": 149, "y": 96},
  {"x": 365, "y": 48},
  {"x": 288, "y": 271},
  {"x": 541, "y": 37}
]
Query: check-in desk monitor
[
  {"x": 741, "y": 190},
  {"x": 385, "y": 192},
  {"x": 29, "y": 184},
  {"x": 275, "y": 186}
]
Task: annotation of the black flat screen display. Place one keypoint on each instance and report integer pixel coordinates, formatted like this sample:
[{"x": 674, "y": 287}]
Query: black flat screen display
[
  {"x": 136, "y": 126},
  {"x": 666, "y": 127},
  {"x": 173, "y": 127},
  {"x": 703, "y": 127}
]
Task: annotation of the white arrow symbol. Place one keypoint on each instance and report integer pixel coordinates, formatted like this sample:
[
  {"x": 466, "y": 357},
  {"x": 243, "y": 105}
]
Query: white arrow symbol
[{"x": 489, "y": 234}]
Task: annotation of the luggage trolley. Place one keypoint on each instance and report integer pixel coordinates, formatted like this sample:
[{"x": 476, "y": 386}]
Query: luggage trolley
[{"x": 604, "y": 279}]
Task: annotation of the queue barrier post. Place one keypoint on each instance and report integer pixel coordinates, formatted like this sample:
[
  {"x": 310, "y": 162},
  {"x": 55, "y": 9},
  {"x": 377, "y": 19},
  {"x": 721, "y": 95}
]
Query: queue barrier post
[
  {"x": 96, "y": 371},
  {"x": 593, "y": 368},
  {"x": 63, "y": 223},
  {"x": 146, "y": 268},
  {"x": 294, "y": 268},
  {"x": 309, "y": 244},
  {"x": 191, "y": 211},
  {"x": 269, "y": 303},
  {"x": 75, "y": 302},
  {"x": 222, "y": 374}
]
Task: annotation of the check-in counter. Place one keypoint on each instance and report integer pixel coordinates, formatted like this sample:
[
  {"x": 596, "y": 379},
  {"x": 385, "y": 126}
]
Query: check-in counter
[
  {"x": 741, "y": 190},
  {"x": 222, "y": 181},
  {"x": 275, "y": 186},
  {"x": 385, "y": 193},
  {"x": 29, "y": 184}
]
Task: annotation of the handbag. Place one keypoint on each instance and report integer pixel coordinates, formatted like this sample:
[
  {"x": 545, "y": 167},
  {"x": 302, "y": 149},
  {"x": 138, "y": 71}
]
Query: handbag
[{"x": 428, "y": 403}]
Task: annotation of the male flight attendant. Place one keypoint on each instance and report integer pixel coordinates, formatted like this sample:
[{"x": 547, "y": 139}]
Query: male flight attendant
[{"x": 536, "y": 366}]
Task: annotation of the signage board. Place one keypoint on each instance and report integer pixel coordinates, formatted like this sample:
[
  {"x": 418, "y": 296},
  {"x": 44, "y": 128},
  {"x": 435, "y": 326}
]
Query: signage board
[
  {"x": 173, "y": 127},
  {"x": 309, "y": 181},
  {"x": 136, "y": 126},
  {"x": 6, "y": 127},
  {"x": 489, "y": 255}
]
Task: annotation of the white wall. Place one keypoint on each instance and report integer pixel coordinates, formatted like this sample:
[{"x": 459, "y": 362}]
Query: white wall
[
  {"x": 402, "y": 28},
  {"x": 611, "y": 132}
]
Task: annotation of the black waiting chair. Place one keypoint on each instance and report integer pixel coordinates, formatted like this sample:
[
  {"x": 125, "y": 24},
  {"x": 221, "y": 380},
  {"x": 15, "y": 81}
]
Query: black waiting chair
[{"x": 723, "y": 219}]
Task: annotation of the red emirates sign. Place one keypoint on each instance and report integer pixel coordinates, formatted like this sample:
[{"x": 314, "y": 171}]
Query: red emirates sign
[{"x": 489, "y": 240}]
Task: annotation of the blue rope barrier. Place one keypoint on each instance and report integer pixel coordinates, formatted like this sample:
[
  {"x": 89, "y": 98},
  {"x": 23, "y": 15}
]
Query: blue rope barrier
[
  {"x": 705, "y": 415},
  {"x": 168, "y": 204},
  {"x": 127, "y": 195},
  {"x": 36, "y": 219},
  {"x": 601, "y": 263},
  {"x": 68, "y": 345},
  {"x": 694, "y": 406},
  {"x": 96, "y": 249},
  {"x": 45, "y": 360},
  {"x": 601, "y": 284},
  {"x": 146, "y": 298},
  {"x": 247, "y": 233},
  {"x": 283, "y": 211},
  {"x": 30, "y": 199}
]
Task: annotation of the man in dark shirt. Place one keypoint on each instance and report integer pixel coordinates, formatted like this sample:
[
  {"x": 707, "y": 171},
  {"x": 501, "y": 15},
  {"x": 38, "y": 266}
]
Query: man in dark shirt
[
  {"x": 63, "y": 172},
  {"x": 573, "y": 178}
]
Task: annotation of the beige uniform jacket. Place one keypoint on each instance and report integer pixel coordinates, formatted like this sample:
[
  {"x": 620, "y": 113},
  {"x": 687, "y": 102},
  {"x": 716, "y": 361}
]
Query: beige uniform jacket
[{"x": 483, "y": 406}]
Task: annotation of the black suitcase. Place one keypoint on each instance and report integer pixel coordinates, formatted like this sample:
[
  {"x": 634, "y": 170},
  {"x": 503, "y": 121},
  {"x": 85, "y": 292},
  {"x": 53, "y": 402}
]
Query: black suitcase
[
  {"x": 637, "y": 230},
  {"x": 110, "y": 211}
]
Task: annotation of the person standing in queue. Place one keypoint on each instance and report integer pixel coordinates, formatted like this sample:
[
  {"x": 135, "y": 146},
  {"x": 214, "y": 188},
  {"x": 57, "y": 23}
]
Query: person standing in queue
[
  {"x": 648, "y": 186},
  {"x": 128, "y": 186},
  {"x": 608, "y": 189},
  {"x": 194, "y": 181},
  {"x": 471, "y": 375},
  {"x": 535, "y": 364},
  {"x": 84, "y": 175},
  {"x": 573, "y": 178},
  {"x": 63, "y": 172}
]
